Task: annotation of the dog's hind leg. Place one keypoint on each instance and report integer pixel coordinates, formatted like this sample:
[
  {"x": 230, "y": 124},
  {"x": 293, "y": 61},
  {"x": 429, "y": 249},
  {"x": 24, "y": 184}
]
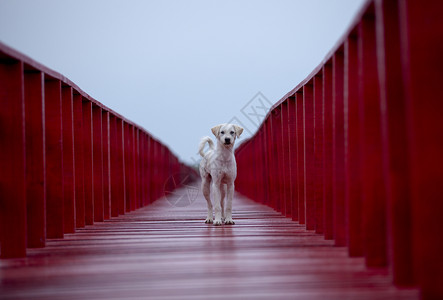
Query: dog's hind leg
[
  {"x": 206, "y": 184},
  {"x": 230, "y": 195}
]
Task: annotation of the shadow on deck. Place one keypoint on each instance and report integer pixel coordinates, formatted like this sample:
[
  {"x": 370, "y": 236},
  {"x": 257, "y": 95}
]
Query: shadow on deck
[{"x": 168, "y": 252}]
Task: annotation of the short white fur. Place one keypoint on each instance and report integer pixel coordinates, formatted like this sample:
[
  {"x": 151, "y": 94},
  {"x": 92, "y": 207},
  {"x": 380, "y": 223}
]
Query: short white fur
[{"x": 218, "y": 171}]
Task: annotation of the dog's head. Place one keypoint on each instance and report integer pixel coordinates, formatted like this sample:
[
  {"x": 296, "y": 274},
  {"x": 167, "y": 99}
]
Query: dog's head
[{"x": 227, "y": 133}]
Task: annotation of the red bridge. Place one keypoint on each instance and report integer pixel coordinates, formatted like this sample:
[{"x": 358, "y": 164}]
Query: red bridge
[{"x": 341, "y": 186}]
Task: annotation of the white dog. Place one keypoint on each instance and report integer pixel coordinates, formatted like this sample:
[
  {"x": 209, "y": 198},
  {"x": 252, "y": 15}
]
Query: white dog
[{"x": 218, "y": 171}]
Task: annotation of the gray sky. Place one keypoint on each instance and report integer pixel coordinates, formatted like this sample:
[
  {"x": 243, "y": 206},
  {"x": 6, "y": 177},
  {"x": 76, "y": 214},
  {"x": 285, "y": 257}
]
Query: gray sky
[{"x": 177, "y": 68}]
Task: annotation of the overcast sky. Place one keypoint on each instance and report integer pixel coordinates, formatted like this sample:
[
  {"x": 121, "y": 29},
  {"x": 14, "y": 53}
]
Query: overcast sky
[{"x": 177, "y": 68}]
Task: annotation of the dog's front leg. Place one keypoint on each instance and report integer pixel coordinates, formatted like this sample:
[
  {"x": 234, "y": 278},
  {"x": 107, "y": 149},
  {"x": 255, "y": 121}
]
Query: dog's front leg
[
  {"x": 222, "y": 200},
  {"x": 206, "y": 185},
  {"x": 230, "y": 196},
  {"x": 216, "y": 195}
]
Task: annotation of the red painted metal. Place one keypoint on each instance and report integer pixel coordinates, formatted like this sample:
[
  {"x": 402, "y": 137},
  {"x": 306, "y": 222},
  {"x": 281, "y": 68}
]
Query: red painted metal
[
  {"x": 338, "y": 150},
  {"x": 142, "y": 172},
  {"x": 137, "y": 168},
  {"x": 114, "y": 172},
  {"x": 275, "y": 144},
  {"x": 267, "y": 152},
  {"x": 421, "y": 47},
  {"x": 300, "y": 157},
  {"x": 35, "y": 159},
  {"x": 151, "y": 158},
  {"x": 138, "y": 164},
  {"x": 309, "y": 163},
  {"x": 12, "y": 162},
  {"x": 327, "y": 151},
  {"x": 134, "y": 168},
  {"x": 118, "y": 168},
  {"x": 155, "y": 167},
  {"x": 88, "y": 176},
  {"x": 318, "y": 151},
  {"x": 264, "y": 179},
  {"x": 286, "y": 165},
  {"x": 63, "y": 154},
  {"x": 146, "y": 168},
  {"x": 54, "y": 159},
  {"x": 97, "y": 163},
  {"x": 128, "y": 167},
  {"x": 352, "y": 149},
  {"x": 373, "y": 180},
  {"x": 292, "y": 145},
  {"x": 106, "y": 165},
  {"x": 79, "y": 162},
  {"x": 395, "y": 142},
  {"x": 68, "y": 160}
]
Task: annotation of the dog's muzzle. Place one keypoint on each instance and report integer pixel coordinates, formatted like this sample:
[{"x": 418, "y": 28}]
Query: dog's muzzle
[{"x": 227, "y": 141}]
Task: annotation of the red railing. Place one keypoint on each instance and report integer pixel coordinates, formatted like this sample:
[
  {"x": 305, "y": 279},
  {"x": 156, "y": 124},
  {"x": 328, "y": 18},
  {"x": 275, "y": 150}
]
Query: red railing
[
  {"x": 66, "y": 160},
  {"x": 355, "y": 150}
]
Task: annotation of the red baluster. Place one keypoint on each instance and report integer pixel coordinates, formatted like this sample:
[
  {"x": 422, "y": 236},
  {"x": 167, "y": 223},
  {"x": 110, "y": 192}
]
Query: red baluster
[
  {"x": 12, "y": 164},
  {"x": 35, "y": 159},
  {"x": 54, "y": 158}
]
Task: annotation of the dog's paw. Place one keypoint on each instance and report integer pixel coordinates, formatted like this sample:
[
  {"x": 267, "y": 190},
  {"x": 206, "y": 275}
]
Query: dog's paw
[
  {"x": 208, "y": 221},
  {"x": 229, "y": 222},
  {"x": 218, "y": 222}
]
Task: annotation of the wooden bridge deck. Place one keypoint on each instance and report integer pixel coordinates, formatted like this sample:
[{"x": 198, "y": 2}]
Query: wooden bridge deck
[{"x": 168, "y": 252}]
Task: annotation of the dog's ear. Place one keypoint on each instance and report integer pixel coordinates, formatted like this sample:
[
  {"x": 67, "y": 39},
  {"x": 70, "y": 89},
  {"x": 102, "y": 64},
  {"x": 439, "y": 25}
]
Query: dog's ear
[
  {"x": 238, "y": 130},
  {"x": 215, "y": 130}
]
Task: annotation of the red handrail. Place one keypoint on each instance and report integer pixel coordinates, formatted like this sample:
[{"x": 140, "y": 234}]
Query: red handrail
[
  {"x": 67, "y": 160},
  {"x": 358, "y": 144}
]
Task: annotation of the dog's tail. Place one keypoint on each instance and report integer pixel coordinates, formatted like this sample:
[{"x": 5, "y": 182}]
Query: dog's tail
[{"x": 203, "y": 142}]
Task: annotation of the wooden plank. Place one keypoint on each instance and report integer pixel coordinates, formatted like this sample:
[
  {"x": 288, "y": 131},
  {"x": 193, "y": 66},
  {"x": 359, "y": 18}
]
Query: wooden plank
[{"x": 165, "y": 252}]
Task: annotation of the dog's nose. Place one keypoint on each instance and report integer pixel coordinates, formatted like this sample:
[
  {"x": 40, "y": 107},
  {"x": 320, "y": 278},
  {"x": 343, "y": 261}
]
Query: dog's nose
[{"x": 227, "y": 140}]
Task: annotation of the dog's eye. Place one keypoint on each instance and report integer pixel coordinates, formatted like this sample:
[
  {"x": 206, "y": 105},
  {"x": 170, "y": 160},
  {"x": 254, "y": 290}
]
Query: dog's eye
[
  {"x": 222, "y": 132},
  {"x": 232, "y": 132}
]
